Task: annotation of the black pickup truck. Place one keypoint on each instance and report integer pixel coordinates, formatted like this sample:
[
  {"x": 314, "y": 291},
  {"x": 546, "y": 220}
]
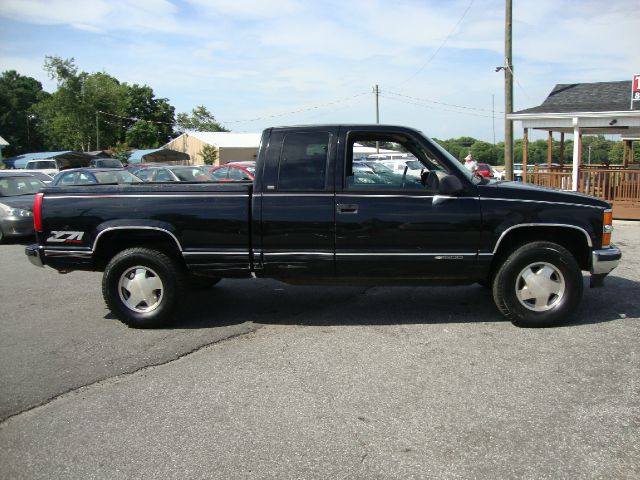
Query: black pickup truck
[{"x": 321, "y": 212}]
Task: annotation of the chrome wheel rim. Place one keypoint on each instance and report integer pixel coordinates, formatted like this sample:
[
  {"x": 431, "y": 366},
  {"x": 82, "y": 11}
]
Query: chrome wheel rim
[
  {"x": 141, "y": 289},
  {"x": 540, "y": 286}
]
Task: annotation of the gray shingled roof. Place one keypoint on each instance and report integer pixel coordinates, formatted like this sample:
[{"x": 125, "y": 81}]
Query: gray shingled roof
[{"x": 587, "y": 97}]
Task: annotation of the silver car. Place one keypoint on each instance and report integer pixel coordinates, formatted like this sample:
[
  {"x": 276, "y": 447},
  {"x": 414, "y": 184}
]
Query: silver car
[{"x": 17, "y": 193}]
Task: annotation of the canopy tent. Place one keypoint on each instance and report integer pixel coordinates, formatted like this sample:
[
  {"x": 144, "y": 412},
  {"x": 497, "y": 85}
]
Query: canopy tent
[
  {"x": 68, "y": 158},
  {"x": 161, "y": 155}
]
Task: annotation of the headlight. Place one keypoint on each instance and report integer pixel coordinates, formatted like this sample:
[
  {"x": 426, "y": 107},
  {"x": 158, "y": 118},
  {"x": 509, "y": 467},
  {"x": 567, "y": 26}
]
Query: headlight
[{"x": 16, "y": 212}]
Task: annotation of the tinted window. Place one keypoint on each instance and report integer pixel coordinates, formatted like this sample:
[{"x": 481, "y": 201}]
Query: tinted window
[
  {"x": 14, "y": 186},
  {"x": 303, "y": 161},
  {"x": 238, "y": 174},
  {"x": 144, "y": 174},
  {"x": 67, "y": 178},
  {"x": 163, "y": 176},
  {"x": 220, "y": 173}
]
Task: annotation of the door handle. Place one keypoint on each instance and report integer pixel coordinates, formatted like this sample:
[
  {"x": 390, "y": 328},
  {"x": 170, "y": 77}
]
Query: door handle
[{"x": 347, "y": 208}]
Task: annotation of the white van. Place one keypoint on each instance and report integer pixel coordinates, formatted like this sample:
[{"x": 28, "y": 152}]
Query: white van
[{"x": 49, "y": 166}]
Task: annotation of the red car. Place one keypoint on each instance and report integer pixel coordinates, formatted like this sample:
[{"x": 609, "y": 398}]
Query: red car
[
  {"x": 484, "y": 170},
  {"x": 234, "y": 172}
]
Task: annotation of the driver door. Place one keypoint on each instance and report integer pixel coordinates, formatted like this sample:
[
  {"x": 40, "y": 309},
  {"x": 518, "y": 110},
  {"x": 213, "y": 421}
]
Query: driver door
[{"x": 395, "y": 224}]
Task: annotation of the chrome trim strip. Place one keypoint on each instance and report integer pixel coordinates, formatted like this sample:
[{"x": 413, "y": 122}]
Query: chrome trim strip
[
  {"x": 216, "y": 253},
  {"x": 539, "y": 201},
  {"x": 164, "y": 230},
  {"x": 298, "y": 253},
  {"x": 68, "y": 253},
  {"x": 207, "y": 195},
  {"x": 407, "y": 254},
  {"x": 286, "y": 194},
  {"x": 563, "y": 225}
]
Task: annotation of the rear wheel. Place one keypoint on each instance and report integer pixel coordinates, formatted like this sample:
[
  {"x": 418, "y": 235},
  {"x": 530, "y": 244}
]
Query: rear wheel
[
  {"x": 143, "y": 287},
  {"x": 538, "y": 285}
]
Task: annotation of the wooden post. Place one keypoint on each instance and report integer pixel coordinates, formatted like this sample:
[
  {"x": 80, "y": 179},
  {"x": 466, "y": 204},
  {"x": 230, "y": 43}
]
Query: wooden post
[
  {"x": 624, "y": 153},
  {"x": 562, "y": 149},
  {"x": 576, "y": 155},
  {"x": 525, "y": 154},
  {"x": 549, "y": 149}
]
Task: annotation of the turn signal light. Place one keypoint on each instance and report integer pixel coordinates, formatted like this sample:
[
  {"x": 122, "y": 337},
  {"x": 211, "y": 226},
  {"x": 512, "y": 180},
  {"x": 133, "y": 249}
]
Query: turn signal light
[
  {"x": 607, "y": 228},
  {"x": 37, "y": 213}
]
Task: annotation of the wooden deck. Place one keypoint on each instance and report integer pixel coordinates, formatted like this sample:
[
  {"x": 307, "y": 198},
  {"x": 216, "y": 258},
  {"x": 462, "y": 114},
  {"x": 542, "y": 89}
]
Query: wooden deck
[{"x": 616, "y": 185}]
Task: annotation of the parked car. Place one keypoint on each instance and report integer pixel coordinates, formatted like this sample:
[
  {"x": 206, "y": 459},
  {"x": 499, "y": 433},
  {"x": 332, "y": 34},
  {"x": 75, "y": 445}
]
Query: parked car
[
  {"x": 43, "y": 177},
  {"x": 48, "y": 166},
  {"x": 106, "y": 163},
  {"x": 302, "y": 222},
  {"x": 498, "y": 174},
  {"x": 93, "y": 176},
  {"x": 484, "y": 170},
  {"x": 174, "y": 174},
  {"x": 234, "y": 172},
  {"x": 134, "y": 167},
  {"x": 17, "y": 194}
]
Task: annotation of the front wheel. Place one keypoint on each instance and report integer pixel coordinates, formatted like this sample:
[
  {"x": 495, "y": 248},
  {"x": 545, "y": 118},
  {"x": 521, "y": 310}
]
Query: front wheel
[
  {"x": 143, "y": 287},
  {"x": 538, "y": 285}
]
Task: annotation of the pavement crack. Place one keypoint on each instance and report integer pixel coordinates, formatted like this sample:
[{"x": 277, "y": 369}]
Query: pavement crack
[{"x": 254, "y": 328}]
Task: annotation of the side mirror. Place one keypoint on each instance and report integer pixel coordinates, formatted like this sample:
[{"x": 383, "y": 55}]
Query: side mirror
[{"x": 450, "y": 185}]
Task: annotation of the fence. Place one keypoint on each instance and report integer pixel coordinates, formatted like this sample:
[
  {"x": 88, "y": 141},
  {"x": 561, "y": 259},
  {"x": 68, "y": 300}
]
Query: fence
[{"x": 617, "y": 185}]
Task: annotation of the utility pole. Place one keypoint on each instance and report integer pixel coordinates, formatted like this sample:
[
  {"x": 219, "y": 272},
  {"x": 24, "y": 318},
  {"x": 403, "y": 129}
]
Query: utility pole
[
  {"x": 376, "y": 90},
  {"x": 493, "y": 116},
  {"x": 97, "y": 133},
  {"x": 508, "y": 94}
]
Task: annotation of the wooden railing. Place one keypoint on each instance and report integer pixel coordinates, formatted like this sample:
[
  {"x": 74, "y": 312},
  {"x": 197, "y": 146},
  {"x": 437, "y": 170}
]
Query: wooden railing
[{"x": 620, "y": 187}]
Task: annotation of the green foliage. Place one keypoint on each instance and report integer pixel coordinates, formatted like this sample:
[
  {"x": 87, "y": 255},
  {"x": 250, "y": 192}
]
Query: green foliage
[
  {"x": 209, "y": 154},
  {"x": 19, "y": 125},
  {"x": 143, "y": 135},
  {"x": 66, "y": 119},
  {"x": 122, "y": 152},
  {"x": 199, "y": 120}
]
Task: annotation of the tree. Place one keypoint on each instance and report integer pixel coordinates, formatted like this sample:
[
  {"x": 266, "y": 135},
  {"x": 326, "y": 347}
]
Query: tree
[
  {"x": 19, "y": 124},
  {"x": 199, "y": 120},
  {"x": 122, "y": 152},
  {"x": 70, "y": 112},
  {"x": 143, "y": 134},
  {"x": 142, "y": 105},
  {"x": 209, "y": 154}
]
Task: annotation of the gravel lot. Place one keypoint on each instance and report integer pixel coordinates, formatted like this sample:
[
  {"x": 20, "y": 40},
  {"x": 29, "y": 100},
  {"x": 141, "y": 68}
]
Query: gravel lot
[{"x": 265, "y": 380}]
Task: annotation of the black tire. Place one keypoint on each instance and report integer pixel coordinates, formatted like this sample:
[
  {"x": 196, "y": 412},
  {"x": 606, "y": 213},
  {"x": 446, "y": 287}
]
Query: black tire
[
  {"x": 1, "y": 235},
  {"x": 143, "y": 270},
  {"x": 549, "y": 263},
  {"x": 202, "y": 283}
]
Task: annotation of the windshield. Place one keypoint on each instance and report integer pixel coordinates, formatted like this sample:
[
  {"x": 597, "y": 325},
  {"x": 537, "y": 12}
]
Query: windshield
[
  {"x": 109, "y": 163},
  {"x": 116, "y": 177},
  {"x": 476, "y": 179},
  {"x": 191, "y": 174},
  {"x": 15, "y": 186},
  {"x": 41, "y": 164}
]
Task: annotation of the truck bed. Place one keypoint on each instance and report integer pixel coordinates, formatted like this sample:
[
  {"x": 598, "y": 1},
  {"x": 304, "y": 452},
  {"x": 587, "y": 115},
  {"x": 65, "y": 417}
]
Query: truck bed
[{"x": 208, "y": 222}]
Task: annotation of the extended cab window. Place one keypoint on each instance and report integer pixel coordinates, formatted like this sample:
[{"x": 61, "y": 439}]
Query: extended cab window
[
  {"x": 390, "y": 163},
  {"x": 303, "y": 161}
]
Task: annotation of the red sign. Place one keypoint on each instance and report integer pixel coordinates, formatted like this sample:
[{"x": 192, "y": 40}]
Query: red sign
[{"x": 635, "y": 89}]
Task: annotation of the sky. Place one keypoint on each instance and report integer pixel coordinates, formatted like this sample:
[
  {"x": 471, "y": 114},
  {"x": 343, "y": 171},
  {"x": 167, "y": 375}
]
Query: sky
[{"x": 261, "y": 63}]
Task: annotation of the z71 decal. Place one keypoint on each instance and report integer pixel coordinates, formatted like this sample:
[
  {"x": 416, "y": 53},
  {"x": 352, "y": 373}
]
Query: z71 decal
[{"x": 65, "y": 237}]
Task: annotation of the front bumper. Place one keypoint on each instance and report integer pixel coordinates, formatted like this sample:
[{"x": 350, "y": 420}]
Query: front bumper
[
  {"x": 605, "y": 260},
  {"x": 17, "y": 226},
  {"x": 34, "y": 253}
]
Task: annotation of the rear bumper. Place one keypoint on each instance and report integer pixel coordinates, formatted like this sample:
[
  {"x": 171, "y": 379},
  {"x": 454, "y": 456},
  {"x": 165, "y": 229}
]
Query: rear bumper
[
  {"x": 605, "y": 260},
  {"x": 34, "y": 253}
]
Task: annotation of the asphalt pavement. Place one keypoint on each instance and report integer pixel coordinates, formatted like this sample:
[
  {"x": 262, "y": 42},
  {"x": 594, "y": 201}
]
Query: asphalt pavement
[{"x": 265, "y": 380}]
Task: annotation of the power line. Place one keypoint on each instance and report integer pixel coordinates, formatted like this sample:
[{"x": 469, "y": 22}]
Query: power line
[
  {"x": 431, "y": 107},
  {"x": 444, "y": 42},
  {"x": 438, "y": 102}
]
